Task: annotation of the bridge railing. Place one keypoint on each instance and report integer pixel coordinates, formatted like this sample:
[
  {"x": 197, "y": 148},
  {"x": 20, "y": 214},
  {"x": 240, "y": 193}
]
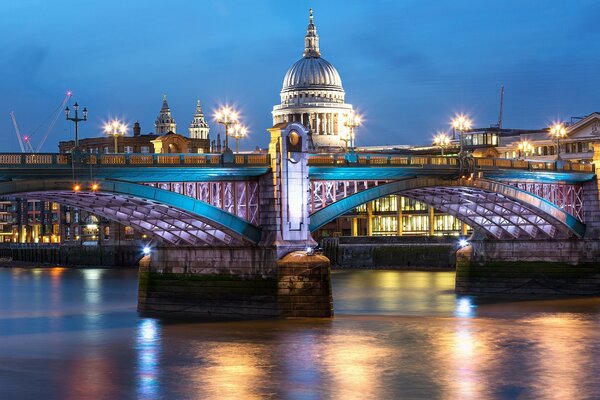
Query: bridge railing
[
  {"x": 135, "y": 159},
  {"x": 419, "y": 161}
]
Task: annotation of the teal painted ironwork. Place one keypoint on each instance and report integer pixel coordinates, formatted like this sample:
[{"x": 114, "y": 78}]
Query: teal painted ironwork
[
  {"x": 541, "y": 206},
  {"x": 206, "y": 212}
]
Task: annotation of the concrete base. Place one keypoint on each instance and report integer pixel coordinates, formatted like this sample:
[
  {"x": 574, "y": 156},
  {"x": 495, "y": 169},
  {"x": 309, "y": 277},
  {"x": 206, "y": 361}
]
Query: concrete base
[
  {"x": 234, "y": 283},
  {"x": 541, "y": 268}
]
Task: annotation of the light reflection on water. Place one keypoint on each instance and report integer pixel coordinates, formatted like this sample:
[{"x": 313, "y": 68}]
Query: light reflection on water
[{"x": 75, "y": 334}]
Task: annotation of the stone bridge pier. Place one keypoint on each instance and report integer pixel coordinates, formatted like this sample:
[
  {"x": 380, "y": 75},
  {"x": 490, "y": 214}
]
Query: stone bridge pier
[
  {"x": 276, "y": 277},
  {"x": 562, "y": 266}
]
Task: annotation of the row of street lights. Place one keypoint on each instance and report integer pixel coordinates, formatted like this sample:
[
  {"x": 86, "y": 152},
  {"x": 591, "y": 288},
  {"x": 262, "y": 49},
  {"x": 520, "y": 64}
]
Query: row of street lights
[
  {"x": 462, "y": 123},
  {"x": 225, "y": 116}
]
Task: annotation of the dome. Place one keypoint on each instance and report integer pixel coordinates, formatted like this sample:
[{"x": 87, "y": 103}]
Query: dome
[{"x": 312, "y": 73}]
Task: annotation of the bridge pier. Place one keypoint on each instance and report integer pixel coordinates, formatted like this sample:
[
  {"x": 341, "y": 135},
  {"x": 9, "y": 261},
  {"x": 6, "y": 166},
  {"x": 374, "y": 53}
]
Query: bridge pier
[
  {"x": 529, "y": 267},
  {"x": 275, "y": 278}
]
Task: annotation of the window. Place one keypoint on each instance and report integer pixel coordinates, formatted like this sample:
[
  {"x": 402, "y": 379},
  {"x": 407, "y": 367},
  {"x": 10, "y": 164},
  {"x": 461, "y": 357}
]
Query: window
[
  {"x": 145, "y": 149},
  {"x": 128, "y": 233},
  {"x": 106, "y": 233},
  {"x": 106, "y": 150},
  {"x": 128, "y": 149}
]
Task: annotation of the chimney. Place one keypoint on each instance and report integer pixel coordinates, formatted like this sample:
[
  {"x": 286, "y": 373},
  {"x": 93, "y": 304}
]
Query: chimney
[{"x": 136, "y": 129}]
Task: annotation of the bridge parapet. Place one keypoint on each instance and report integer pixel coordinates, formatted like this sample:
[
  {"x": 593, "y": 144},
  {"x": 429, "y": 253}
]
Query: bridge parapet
[
  {"x": 134, "y": 159},
  {"x": 378, "y": 159}
]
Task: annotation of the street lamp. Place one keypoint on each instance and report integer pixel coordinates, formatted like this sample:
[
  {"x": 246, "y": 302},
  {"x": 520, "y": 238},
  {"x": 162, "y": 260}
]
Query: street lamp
[
  {"x": 441, "y": 140},
  {"x": 226, "y": 116},
  {"x": 76, "y": 120},
  {"x": 239, "y": 131},
  {"x": 115, "y": 128},
  {"x": 461, "y": 123},
  {"x": 524, "y": 147},
  {"x": 558, "y": 131},
  {"x": 354, "y": 120}
]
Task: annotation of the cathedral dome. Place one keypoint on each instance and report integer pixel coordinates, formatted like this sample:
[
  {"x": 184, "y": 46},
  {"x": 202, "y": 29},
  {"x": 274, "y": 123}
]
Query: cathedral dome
[{"x": 312, "y": 73}]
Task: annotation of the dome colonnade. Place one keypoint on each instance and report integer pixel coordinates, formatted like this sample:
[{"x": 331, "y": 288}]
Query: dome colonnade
[{"x": 312, "y": 94}]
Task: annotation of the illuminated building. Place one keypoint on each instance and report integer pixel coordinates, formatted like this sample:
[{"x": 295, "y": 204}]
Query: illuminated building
[
  {"x": 312, "y": 94},
  {"x": 381, "y": 218}
]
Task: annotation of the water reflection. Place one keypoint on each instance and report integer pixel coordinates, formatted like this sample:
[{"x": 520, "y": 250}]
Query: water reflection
[
  {"x": 465, "y": 307},
  {"x": 148, "y": 353},
  {"x": 395, "y": 335}
]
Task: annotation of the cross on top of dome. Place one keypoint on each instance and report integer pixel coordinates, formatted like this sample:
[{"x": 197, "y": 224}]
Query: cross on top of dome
[{"x": 311, "y": 40}]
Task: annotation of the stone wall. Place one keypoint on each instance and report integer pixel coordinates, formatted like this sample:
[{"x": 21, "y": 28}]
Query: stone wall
[
  {"x": 90, "y": 256},
  {"x": 541, "y": 268},
  {"x": 234, "y": 283},
  {"x": 390, "y": 252}
]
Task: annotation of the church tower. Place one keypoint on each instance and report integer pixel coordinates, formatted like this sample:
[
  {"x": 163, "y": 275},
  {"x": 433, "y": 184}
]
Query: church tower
[
  {"x": 199, "y": 127},
  {"x": 165, "y": 123}
]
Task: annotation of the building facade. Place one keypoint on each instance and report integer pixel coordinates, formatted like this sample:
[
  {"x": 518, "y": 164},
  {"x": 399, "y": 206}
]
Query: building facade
[
  {"x": 165, "y": 138},
  {"x": 31, "y": 221},
  {"x": 312, "y": 94}
]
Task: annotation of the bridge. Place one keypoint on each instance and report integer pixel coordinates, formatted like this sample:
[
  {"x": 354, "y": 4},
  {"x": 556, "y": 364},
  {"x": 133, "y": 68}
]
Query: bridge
[{"x": 262, "y": 206}]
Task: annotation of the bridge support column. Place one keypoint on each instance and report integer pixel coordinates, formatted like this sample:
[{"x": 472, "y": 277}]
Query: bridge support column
[
  {"x": 529, "y": 267},
  {"x": 278, "y": 277}
]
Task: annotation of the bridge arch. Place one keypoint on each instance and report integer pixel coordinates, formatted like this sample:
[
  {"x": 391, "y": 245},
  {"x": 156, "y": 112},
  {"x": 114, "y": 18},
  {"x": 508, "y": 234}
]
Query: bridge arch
[
  {"x": 168, "y": 216},
  {"x": 494, "y": 209}
]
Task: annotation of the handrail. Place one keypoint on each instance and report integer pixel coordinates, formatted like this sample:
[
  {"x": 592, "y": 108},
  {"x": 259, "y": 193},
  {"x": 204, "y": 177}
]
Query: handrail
[
  {"x": 262, "y": 159},
  {"x": 378, "y": 159},
  {"x": 134, "y": 159}
]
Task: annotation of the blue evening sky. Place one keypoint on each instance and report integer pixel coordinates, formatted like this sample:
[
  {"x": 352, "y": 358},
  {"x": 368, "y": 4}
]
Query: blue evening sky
[{"x": 407, "y": 65}]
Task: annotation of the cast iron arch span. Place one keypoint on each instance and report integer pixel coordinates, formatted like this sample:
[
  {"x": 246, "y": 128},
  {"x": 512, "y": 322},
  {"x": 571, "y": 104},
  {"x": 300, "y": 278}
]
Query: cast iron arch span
[
  {"x": 494, "y": 209},
  {"x": 170, "y": 216}
]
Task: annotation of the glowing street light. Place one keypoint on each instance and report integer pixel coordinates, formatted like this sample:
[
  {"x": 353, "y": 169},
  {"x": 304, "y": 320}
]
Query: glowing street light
[
  {"x": 353, "y": 120},
  {"x": 461, "y": 123},
  {"x": 524, "y": 147},
  {"x": 558, "y": 131},
  {"x": 115, "y": 128},
  {"x": 441, "y": 140},
  {"x": 239, "y": 131},
  {"x": 76, "y": 120},
  {"x": 226, "y": 116}
]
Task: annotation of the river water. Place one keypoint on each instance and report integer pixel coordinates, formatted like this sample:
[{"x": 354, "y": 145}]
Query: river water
[{"x": 75, "y": 334}]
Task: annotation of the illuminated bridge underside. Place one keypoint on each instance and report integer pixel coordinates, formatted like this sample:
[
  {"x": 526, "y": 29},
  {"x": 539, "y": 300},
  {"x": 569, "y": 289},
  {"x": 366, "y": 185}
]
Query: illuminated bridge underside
[
  {"x": 494, "y": 209},
  {"x": 170, "y": 217}
]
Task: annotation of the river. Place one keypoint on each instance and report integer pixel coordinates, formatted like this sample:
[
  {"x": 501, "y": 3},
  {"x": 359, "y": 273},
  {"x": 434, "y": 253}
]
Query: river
[{"x": 75, "y": 334}]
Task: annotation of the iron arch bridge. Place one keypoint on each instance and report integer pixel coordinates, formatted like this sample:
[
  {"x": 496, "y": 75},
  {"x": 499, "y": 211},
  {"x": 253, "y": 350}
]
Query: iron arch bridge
[
  {"x": 162, "y": 214},
  {"x": 497, "y": 210}
]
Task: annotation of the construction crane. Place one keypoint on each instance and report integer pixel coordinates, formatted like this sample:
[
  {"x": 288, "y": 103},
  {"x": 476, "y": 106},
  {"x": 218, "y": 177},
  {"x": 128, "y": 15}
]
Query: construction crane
[{"x": 25, "y": 140}]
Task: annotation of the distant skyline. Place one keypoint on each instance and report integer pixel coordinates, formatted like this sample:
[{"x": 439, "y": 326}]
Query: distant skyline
[{"x": 408, "y": 66}]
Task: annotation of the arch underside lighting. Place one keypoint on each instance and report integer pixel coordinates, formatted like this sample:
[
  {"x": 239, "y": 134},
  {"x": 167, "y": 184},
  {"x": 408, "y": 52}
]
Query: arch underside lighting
[
  {"x": 491, "y": 214},
  {"x": 152, "y": 218},
  {"x": 170, "y": 217},
  {"x": 493, "y": 209}
]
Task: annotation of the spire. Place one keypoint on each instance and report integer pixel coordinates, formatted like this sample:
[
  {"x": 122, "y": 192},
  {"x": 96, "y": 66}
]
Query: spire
[
  {"x": 199, "y": 127},
  {"x": 165, "y": 122},
  {"x": 311, "y": 40}
]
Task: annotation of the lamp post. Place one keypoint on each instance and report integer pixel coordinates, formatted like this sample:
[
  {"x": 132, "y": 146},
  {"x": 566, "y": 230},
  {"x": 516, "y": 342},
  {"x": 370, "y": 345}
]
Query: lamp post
[
  {"x": 115, "y": 128},
  {"x": 524, "y": 147},
  {"x": 76, "y": 120},
  {"x": 239, "y": 131},
  {"x": 461, "y": 123},
  {"x": 226, "y": 116},
  {"x": 558, "y": 131},
  {"x": 354, "y": 120},
  {"x": 441, "y": 140}
]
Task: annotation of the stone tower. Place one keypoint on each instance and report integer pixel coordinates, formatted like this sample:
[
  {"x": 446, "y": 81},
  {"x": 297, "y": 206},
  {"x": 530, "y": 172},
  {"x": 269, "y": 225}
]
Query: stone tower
[
  {"x": 165, "y": 122},
  {"x": 199, "y": 127}
]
